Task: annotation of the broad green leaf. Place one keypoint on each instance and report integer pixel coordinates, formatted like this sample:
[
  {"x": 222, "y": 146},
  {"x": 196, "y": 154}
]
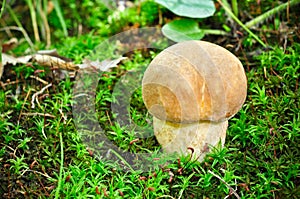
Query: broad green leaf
[
  {"x": 182, "y": 30},
  {"x": 190, "y": 8}
]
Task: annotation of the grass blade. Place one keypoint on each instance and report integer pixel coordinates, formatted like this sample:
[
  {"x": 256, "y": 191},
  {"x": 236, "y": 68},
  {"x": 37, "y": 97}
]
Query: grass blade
[
  {"x": 34, "y": 22},
  {"x": 230, "y": 13},
  {"x": 2, "y": 8},
  {"x": 61, "y": 167},
  {"x": 269, "y": 13},
  {"x": 60, "y": 16}
]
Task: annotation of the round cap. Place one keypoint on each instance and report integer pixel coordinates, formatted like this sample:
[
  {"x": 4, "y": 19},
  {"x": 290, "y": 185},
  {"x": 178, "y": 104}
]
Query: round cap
[{"x": 193, "y": 81}]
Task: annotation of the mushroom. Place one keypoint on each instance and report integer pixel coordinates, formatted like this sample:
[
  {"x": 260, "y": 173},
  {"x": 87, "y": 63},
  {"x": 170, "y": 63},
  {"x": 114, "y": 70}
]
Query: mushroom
[{"x": 192, "y": 88}]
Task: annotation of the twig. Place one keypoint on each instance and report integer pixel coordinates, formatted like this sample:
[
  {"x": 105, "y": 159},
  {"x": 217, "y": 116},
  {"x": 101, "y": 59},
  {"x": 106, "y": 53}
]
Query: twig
[
  {"x": 229, "y": 195},
  {"x": 227, "y": 185},
  {"x": 21, "y": 29},
  {"x": 80, "y": 95},
  {"x": 44, "y": 188},
  {"x": 23, "y": 105},
  {"x": 8, "y": 32},
  {"x": 6, "y": 114},
  {"x": 46, "y": 25},
  {"x": 45, "y": 175},
  {"x": 9, "y": 147},
  {"x": 63, "y": 115},
  {"x": 166, "y": 196},
  {"x": 34, "y": 96},
  {"x": 9, "y": 83},
  {"x": 38, "y": 114},
  {"x": 20, "y": 26},
  {"x": 108, "y": 118},
  {"x": 39, "y": 79}
]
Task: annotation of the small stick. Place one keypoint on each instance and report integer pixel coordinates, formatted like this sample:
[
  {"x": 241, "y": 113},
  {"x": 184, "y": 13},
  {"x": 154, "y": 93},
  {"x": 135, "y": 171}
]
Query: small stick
[
  {"x": 46, "y": 25},
  {"x": 34, "y": 21},
  {"x": 38, "y": 114},
  {"x": 34, "y": 96},
  {"x": 10, "y": 83},
  {"x": 24, "y": 104},
  {"x": 227, "y": 185},
  {"x": 6, "y": 114},
  {"x": 166, "y": 196},
  {"x": 39, "y": 79},
  {"x": 43, "y": 174},
  {"x": 108, "y": 118},
  {"x": 63, "y": 115},
  {"x": 27, "y": 38}
]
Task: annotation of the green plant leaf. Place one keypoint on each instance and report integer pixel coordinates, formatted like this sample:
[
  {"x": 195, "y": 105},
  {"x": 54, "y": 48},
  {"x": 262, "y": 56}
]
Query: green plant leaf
[
  {"x": 183, "y": 30},
  {"x": 190, "y": 8}
]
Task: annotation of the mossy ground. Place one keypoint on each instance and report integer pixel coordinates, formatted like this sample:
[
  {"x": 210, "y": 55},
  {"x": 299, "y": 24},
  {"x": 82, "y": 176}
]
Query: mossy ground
[{"x": 261, "y": 157}]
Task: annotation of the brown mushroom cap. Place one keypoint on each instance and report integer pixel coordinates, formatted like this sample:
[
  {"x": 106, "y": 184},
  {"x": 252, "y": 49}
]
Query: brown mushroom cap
[{"x": 193, "y": 81}]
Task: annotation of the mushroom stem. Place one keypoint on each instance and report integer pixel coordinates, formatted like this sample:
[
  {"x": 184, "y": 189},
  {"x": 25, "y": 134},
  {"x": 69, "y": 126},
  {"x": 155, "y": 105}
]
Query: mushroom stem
[{"x": 180, "y": 138}]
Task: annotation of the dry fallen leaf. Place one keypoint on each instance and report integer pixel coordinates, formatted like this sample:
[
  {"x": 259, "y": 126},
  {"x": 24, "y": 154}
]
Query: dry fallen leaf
[
  {"x": 51, "y": 61},
  {"x": 8, "y": 59},
  {"x": 64, "y": 66},
  {"x": 9, "y": 44},
  {"x": 104, "y": 65}
]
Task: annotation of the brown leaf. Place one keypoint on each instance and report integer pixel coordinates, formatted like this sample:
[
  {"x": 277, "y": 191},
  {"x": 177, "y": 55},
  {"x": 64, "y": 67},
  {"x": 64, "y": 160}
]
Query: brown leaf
[
  {"x": 9, "y": 44},
  {"x": 51, "y": 61}
]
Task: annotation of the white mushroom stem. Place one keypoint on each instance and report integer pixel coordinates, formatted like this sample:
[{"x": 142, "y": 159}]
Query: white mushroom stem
[{"x": 181, "y": 138}]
